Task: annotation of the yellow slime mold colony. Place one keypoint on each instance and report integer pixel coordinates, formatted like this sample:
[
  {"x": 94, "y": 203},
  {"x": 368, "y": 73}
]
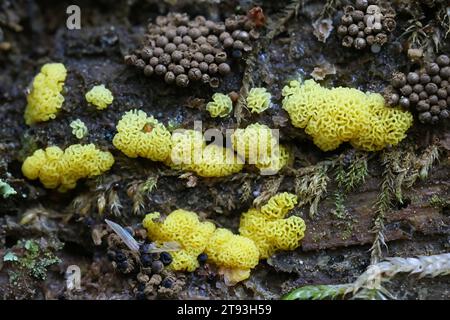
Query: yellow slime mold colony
[
  {"x": 268, "y": 227},
  {"x": 57, "y": 168},
  {"x": 190, "y": 152},
  {"x": 236, "y": 255},
  {"x": 45, "y": 98},
  {"x": 334, "y": 116},
  {"x": 183, "y": 227},
  {"x": 141, "y": 136}
]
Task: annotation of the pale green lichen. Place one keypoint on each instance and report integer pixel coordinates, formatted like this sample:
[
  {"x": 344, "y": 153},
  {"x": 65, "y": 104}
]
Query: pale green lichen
[
  {"x": 79, "y": 129},
  {"x": 6, "y": 190}
]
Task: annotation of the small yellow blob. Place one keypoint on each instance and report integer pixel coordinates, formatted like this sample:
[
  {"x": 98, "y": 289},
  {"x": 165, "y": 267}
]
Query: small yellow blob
[
  {"x": 45, "y": 98},
  {"x": 234, "y": 254},
  {"x": 139, "y": 135},
  {"x": 60, "y": 169},
  {"x": 100, "y": 97},
  {"x": 258, "y": 100},
  {"x": 221, "y": 106},
  {"x": 334, "y": 116},
  {"x": 269, "y": 228},
  {"x": 79, "y": 129}
]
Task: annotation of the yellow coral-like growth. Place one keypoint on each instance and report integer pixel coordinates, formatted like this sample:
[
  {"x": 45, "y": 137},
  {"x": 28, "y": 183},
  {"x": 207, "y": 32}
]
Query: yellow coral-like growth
[
  {"x": 185, "y": 228},
  {"x": 141, "y": 136},
  {"x": 100, "y": 97},
  {"x": 258, "y": 100},
  {"x": 57, "y": 168},
  {"x": 45, "y": 98},
  {"x": 221, "y": 106},
  {"x": 218, "y": 162},
  {"x": 333, "y": 116},
  {"x": 255, "y": 144},
  {"x": 190, "y": 153},
  {"x": 236, "y": 255},
  {"x": 268, "y": 227}
]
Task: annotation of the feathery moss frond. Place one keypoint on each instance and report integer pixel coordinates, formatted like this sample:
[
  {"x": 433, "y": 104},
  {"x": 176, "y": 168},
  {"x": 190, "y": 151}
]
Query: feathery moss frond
[
  {"x": 311, "y": 187},
  {"x": 369, "y": 285},
  {"x": 319, "y": 292}
]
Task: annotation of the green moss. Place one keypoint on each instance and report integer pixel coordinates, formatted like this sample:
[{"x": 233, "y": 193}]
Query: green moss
[
  {"x": 437, "y": 202},
  {"x": 32, "y": 260}
]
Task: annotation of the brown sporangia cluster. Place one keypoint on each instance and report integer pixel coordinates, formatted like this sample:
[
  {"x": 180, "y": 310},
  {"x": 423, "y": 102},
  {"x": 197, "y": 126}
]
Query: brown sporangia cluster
[
  {"x": 148, "y": 266},
  {"x": 425, "y": 91},
  {"x": 366, "y": 25},
  {"x": 183, "y": 51}
]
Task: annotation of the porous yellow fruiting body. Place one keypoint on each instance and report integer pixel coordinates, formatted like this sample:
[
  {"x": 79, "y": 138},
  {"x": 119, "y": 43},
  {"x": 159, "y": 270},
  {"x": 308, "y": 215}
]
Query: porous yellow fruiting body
[
  {"x": 236, "y": 255},
  {"x": 45, "y": 98},
  {"x": 185, "y": 228},
  {"x": 269, "y": 228},
  {"x": 258, "y": 100},
  {"x": 254, "y": 143},
  {"x": 141, "y": 136},
  {"x": 60, "y": 169},
  {"x": 79, "y": 129},
  {"x": 281, "y": 157},
  {"x": 190, "y": 152},
  {"x": 334, "y": 116},
  {"x": 99, "y": 96},
  {"x": 220, "y": 106}
]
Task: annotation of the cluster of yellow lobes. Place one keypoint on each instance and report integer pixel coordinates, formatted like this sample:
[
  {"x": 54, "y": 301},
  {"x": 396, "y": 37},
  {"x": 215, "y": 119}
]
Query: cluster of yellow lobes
[
  {"x": 190, "y": 152},
  {"x": 334, "y": 116},
  {"x": 60, "y": 169},
  {"x": 141, "y": 136},
  {"x": 185, "y": 228},
  {"x": 258, "y": 145},
  {"x": 268, "y": 227},
  {"x": 234, "y": 254},
  {"x": 45, "y": 98},
  {"x": 100, "y": 97},
  {"x": 262, "y": 232}
]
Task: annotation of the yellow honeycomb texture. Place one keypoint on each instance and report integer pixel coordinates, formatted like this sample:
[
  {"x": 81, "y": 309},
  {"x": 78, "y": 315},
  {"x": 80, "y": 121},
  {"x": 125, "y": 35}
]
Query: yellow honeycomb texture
[
  {"x": 45, "y": 98},
  {"x": 269, "y": 228},
  {"x": 334, "y": 116},
  {"x": 60, "y": 169},
  {"x": 141, "y": 136}
]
